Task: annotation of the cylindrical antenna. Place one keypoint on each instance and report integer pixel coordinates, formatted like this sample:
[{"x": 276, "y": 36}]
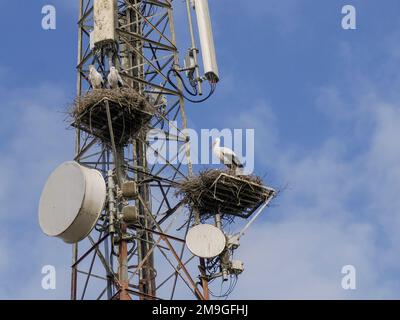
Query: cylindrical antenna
[
  {"x": 193, "y": 50},
  {"x": 206, "y": 40}
]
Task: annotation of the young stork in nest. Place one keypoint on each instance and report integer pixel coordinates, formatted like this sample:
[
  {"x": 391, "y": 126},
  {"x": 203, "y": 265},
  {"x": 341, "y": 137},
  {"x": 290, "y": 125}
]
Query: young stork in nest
[
  {"x": 95, "y": 78},
  {"x": 227, "y": 157},
  {"x": 114, "y": 79}
]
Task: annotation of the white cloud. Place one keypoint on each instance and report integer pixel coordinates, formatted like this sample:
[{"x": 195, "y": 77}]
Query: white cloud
[
  {"x": 24, "y": 272},
  {"x": 34, "y": 141},
  {"x": 300, "y": 259},
  {"x": 341, "y": 207}
]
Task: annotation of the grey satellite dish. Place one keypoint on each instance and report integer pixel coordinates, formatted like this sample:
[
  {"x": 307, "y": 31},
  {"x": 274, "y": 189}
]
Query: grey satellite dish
[
  {"x": 205, "y": 241},
  {"x": 71, "y": 202}
]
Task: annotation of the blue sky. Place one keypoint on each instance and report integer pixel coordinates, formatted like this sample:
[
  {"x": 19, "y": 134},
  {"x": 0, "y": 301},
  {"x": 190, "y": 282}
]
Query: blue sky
[{"x": 325, "y": 106}]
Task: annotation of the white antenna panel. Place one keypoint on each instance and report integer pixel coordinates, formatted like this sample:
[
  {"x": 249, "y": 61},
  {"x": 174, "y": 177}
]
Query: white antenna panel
[
  {"x": 205, "y": 241},
  {"x": 71, "y": 202},
  {"x": 206, "y": 40},
  {"x": 105, "y": 21}
]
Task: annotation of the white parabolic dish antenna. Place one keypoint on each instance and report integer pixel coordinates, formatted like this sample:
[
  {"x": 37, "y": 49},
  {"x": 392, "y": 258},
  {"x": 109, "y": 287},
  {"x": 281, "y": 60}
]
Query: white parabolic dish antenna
[
  {"x": 205, "y": 241},
  {"x": 71, "y": 202}
]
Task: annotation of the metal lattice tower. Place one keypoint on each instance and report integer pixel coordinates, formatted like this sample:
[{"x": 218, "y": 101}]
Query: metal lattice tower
[{"x": 117, "y": 261}]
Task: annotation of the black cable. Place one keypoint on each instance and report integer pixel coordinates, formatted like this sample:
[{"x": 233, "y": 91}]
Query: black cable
[
  {"x": 212, "y": 87},
  {"x": 192, "y": 83},
  {"x": 177, "y": 74}
]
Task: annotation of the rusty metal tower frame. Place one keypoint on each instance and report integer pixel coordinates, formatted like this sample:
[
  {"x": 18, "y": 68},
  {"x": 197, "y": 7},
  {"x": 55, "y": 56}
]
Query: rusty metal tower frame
[{"x": 117, "y": 261}]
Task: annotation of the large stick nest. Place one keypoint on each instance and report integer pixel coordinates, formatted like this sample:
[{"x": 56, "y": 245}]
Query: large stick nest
[
  {"x": 217, "y": 191},
  {"x": 129, "y": 110}
]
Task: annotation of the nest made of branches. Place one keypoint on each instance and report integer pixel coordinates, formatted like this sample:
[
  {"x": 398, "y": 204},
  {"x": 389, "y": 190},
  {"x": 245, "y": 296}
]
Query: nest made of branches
[
  {"x": 219, "y": 191},
  {"x": 129, "y": 111}
]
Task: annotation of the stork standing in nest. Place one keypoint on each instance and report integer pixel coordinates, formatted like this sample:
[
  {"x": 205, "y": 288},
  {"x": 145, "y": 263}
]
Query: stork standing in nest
[
  {"x": 227, "y": 157},
  {"x": 114, "y": 79},
  {"x": 95, "y": 78}
]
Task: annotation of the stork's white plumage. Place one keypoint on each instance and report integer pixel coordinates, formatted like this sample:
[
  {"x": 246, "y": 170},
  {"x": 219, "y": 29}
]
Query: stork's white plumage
[
  {"x": 114, "y": 78},
  {"x": 95, "y": 78},
  {"x": 226, "y": 155}
]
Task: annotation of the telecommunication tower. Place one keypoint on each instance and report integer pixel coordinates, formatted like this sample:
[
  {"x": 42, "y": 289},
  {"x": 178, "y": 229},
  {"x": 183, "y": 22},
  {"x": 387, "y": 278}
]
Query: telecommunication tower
[{"x": 120, "y": 212}]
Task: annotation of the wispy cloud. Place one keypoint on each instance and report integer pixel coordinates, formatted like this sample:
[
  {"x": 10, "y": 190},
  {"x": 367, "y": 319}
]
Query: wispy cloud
[
  {"x": 341, "y": 206},
  {"x": 34, "y": 141}
]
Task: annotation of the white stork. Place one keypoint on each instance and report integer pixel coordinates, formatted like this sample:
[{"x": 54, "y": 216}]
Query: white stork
[
  {"x": 227, "y": 156},
  {"x": 95, "y": 78},
  {"x": 114, "y": 79}
]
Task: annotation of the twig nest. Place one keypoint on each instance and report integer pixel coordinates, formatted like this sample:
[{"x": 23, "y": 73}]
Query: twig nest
[
  {"x": 218, "y": 191},
  {"x": 129, "y": 110}
]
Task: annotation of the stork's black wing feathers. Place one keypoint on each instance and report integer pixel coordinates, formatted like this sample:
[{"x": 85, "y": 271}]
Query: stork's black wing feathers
[{"x": 239, "y": 165}]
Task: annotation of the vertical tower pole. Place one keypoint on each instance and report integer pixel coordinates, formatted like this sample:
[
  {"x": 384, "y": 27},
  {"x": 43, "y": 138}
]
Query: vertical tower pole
[{"x": 145, "y": 51}]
